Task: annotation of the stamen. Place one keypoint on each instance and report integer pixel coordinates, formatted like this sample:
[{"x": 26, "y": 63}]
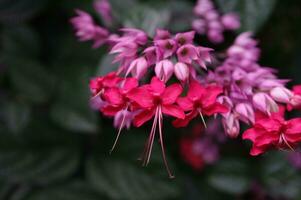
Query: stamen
[
  {"x": 149, "y": 146},
  {"x": 162, "y": 145},
  {"x": 286, "y": 142},
  {"x": 203, "y": 120},
  {"x": 118, "y": 134}
]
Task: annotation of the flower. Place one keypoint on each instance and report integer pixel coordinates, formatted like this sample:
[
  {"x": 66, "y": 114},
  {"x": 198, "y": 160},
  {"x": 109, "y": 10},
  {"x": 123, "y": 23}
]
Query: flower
[
  {"x": 164, "y": 70},
  {"x": 103, "y": 7},
  {"x": 138, "y": 67},
  {"x": 230, "y": 21},
  {"x": 154, "y": 100},
  {"x": 273, "y": 132},
  {"x": 86, "y": 29},
  {"x": 185, "y": 38},
  {"x": 181, "y": 71},
  {"x": 200, "y": 101}
]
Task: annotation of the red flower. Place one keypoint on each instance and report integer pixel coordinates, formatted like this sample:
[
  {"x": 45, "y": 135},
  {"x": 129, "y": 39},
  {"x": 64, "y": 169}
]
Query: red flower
[
  {"x": 295, "y": 102},
  {"x": 273, "y": 132},
  {"x": 200, "y": 101},
  {"x": 99, "y": 83},
  {"x": 117, "y": 97},
  {"x": 154, "y": 100},
  {"x": 190, "y": 155},
  {"x": 155, "y": 97}
]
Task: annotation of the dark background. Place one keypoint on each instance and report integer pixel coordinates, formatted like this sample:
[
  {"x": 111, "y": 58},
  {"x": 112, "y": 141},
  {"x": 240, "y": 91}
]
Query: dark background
[{"x": 54, "y": 147}]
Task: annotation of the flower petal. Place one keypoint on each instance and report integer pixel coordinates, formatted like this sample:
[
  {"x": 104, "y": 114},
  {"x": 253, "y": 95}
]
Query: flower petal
[
  {"x": 143, "y": 117},
  {"x": 173, "y": 110},
  {"x": 215, "y": 108},
  {"x": 184, "y": 122},
  {"x": 113, "y": 96},
  {"x": 185, "y": 103},
  {"x": 142, "y": 97},
  {"x": 196, "y": 90},
  {"x": 171, "y": 93},
  {"x": 157, "y": 86}
]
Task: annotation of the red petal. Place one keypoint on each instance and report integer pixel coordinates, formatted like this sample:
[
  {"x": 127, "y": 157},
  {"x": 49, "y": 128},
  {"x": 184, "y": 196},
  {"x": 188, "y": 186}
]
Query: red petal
[
  {"x": 196, "y": 90},
  {"x": 110, "y": 110},
  {"x": 171, "y": 93},
  {"x": 255, "y": 151},
  {"x": 215, "y": 108},
  {"x": 113, "y": 96},
  {"x": 173, "y": 110},
  {"x": 130, "y": 83},
  {"x": 142, "y": 97},
  {"x": 250, "y": 134},
  {"x": 157, "y": 86},
  {"x": 185, "y": 103},
  {"x": 184, "y": 122},
  {"x": 293, "y": 126},
  {"x": 143, "y": 117},
  {"x": 211, "y": 93}
]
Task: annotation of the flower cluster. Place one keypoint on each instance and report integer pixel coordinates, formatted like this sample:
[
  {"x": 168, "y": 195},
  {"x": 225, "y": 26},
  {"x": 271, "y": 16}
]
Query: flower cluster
[
  {"x": 167, "y": 76},
  {"x": 248, "y": 87},
  {"x": 125, "y": 96},
  {"x": 211, "y": 23}
]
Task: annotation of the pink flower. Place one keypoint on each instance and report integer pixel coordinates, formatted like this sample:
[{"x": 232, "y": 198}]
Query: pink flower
[
  {"x": 273, "y": 132},
  {"x": 162, "y": 35},
  {"x": 86, "y": 29},
  {"x": 265, "y": 103},
  {"x": 295, "y": 102},
  {"x": 103, "y": 7},
  {"x": 139, "y": 36},
  {"x": 167, "y": 47},
  {"x": 138, "y": 67},
  {"x": 230, "y": 21},
  {"x": 181, "y": 71},
  {"x": 245, "y": 112},
  {"x": 200, "y": 101},
  {"x": 164, "y": 70},
  {"x": 185, "y": 38},
  {"x": 281, "y": 94},
  {"x": 154, "y": 100},
  {"x": 187, "y": 53},
  {"x": 231, "y": 125},
  {"x": 98, "y": 84}
]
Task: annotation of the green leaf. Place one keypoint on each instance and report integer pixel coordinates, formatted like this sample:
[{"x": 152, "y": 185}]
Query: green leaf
[
  {"x": 74, "y": 120},
  {"x": 120, "y": 180},
  {"x": 278, "y": 173},
  {"x": 12, "y": 11},
  {"x": 16, "y": 116},
  {"x": 147, "y": 18},
  {"x": 30, "y": 80},
  {"x": 20, "y": 41},
  {"x": 253, "y": 13},
  {"x": 32, "y": 164},
  {"x": 230, "y": 176},
  {"x": 76, "y": 190}
]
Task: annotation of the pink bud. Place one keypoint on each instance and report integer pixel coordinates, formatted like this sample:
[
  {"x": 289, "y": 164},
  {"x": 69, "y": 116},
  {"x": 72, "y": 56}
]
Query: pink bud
[
  {"x": 264, "y": 103},
  {"x": 164, "y": 70},
  {"x": 231, "y": 125},
  {"x": 245, "y": 112},
  {"x": 138, "y": 67},
  {"x": 181, "y": 71},
  {"x": 281, "y": 94},
  {"x": 215, "y": 36},
  {"x": 231, "y": 21},
  {"x": 296, "y": 101},
  {"x": 199, "y": 25},
  {"x": 123, "y": 119}
]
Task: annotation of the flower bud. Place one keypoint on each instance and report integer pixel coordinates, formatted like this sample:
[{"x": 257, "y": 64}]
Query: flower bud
[
  {"x": 138, "y": 67},
  {"x": 164, "y": 70},
  {"x": 181, "y": 71},
  {"x": 281, "y": 94},
  {"x": 245, "y": 112},
  {"x": 231, "y": 125},
  {"x": 230, "y": 21},
  {"x": 264, "y": 103}
]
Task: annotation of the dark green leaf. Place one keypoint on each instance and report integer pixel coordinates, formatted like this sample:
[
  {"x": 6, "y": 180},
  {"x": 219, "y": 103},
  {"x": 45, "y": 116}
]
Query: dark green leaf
[
  {"x": 72, "y": 191},
  {"x": 253, "y": 13},
  {"x": 30, "y": 80},
  {"x": 16, "y": 116},
  {"x": 12, "y": 11},
  {"x": 120, "y": 180}
]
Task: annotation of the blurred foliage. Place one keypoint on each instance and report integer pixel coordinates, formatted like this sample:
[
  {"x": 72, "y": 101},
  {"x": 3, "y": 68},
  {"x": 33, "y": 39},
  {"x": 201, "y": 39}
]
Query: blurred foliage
[{"x": 53, "y": 146}]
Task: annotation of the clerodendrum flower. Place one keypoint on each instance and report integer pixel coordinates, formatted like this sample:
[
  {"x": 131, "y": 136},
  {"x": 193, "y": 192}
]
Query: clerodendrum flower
[{"x": 236, "y": 87}]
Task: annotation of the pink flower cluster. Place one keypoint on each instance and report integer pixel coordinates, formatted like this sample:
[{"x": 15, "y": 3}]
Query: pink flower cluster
[
  {"x": 209, "y": 22},
  {"x": 167, "y": 76},
  {"x": 247, "y": 86},
  {"x": 125, "y": 96}
]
